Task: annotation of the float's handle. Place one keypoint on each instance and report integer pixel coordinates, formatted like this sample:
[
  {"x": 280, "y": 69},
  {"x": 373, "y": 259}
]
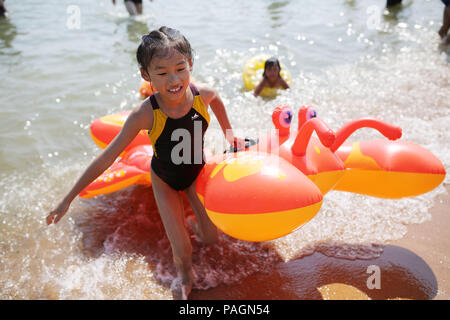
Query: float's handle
[
  {"x": 248, "y": 143},
  {"x": 388, "y": 130}
]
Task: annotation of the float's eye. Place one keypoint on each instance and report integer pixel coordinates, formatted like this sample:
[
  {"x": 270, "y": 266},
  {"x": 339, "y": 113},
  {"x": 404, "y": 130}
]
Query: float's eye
[
  {"x": 286, "y": 118},
  {"x": 311, "y": 113}
]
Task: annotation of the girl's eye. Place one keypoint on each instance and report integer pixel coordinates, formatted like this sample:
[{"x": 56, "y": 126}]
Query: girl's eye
[
  {"x": 311, "y": 113},
  {"x": 162, "y": 74},
  {"x": 181, "y": 69}
]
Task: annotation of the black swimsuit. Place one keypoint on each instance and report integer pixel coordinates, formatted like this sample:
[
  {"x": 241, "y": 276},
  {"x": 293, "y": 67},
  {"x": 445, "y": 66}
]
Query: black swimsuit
[{"x": 177, "y": 144}]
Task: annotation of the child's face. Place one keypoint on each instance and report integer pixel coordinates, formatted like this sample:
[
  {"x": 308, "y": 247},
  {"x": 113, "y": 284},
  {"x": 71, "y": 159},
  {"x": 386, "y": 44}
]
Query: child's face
[
  {"x": 170, "y": 74},
  {"x": 272, "y": 72}
]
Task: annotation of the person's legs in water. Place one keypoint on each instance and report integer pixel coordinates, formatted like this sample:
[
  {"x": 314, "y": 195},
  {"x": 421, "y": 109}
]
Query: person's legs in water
[
  {"x": 392, "y": 3},
  {"x": 139, "y": 8},
  {"x": 170, "y": 207},
  {"x": 202, "y": 226},
  {"x": 445, "y": 22},
  {"x": 131, "y": 7},
  {"x": 2, "y": 8}
]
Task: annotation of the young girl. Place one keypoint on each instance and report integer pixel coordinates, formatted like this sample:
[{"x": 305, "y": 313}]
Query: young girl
[
  {"x": 178, "y": 111},
  {"x": 271, "y": 76}
]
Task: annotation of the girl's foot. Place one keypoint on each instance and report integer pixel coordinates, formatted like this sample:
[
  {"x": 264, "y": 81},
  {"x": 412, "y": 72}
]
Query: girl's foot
[
  {"x": 194, "y": 226},
  {"x": 180, "y": 290}
]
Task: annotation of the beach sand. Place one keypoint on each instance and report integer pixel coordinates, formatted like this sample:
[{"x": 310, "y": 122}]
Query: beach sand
[{"x": 414, "y": 267}]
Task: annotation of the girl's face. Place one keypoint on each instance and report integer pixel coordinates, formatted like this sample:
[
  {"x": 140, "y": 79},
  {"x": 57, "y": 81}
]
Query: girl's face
[
  {"x": 272, "y": 72},
  {"x": 170, "y": 74}
]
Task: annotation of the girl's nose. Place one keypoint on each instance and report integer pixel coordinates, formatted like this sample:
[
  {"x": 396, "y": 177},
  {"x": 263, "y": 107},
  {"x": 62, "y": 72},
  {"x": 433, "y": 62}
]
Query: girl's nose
[{"x": 173, "y": 78}]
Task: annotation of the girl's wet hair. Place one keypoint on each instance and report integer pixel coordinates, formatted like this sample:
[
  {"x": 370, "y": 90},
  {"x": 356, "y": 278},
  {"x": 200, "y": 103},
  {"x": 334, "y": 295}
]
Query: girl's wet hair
[
  {"x": 159, "y": 42},
  {"x": 272, "y": 61}
]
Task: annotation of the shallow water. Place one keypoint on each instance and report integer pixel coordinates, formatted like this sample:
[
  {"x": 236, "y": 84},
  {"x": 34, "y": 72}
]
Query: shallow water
[{"x": 347, "y": 58}]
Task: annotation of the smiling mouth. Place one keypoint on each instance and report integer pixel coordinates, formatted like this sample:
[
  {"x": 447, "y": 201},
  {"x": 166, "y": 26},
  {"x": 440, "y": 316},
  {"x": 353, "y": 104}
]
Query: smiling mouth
[{"x": 175, "y": 90}]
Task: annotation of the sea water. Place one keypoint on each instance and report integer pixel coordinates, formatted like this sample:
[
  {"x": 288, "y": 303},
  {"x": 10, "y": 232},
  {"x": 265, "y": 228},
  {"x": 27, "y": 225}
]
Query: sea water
[{"x": 66, "y": 63}]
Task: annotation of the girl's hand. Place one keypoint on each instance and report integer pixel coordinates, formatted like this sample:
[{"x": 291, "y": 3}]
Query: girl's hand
[
  {"x": 58, "y": 213},
  {"x": 239, "y": 144}
]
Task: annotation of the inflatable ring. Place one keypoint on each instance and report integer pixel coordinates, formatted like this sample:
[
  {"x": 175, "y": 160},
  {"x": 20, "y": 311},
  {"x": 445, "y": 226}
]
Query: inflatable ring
[{"x": 252, "y": 75}]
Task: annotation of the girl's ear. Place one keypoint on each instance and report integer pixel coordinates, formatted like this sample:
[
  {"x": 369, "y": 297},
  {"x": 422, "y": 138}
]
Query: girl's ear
[{"x": 145, "y": 75}]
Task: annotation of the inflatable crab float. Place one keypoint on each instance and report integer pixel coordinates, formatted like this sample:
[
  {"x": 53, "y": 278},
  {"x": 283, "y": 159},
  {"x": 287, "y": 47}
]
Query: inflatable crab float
[{"x": 276, "y": 185}]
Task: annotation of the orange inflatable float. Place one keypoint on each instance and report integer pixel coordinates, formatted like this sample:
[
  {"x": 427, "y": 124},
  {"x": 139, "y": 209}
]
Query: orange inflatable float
[
  {"x": 257, "y": 196},
  {"x": 381, "y": 168},
  {"x": 105, "y": 129},
  {"x": 132, "y": 168},
  {"x": 277, "y": 185},
  {"x": 146, "y": 89}
]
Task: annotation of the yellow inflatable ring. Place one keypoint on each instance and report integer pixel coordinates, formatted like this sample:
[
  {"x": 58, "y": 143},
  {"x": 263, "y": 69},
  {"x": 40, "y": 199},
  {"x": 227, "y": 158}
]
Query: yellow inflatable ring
[{"x": 252, "y": 74}]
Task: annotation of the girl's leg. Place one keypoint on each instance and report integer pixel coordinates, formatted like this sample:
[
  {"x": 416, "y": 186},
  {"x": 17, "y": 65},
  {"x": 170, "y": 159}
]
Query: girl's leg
[
  {"x": 131, "y": 8},
  {"x": 203, "y": 227},
  {"x": 172, "y": 215}
]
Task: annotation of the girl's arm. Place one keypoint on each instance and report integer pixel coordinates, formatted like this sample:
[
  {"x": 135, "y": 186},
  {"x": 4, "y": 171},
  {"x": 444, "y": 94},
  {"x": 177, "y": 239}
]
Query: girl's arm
[
  {"x": 283, "y": 83},
  {"x": 259, "y": 87},
  {"x": 136, "y": 121},
  {"x": 212, "y": 98}
]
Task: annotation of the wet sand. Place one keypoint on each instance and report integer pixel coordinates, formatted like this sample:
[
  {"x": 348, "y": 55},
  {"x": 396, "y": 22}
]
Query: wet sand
[{"x": 414, "y": 267}]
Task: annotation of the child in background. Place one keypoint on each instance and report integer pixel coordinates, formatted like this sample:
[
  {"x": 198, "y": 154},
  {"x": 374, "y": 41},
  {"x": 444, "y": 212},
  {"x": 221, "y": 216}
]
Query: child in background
[
  {"x": 134, "y": 7},
  {"x": 271, "y": 76},
  {"x": 445, "y": 21},
  {"x": 392, "y": 3},
  {"x": 2, "y": 8},
  {"x": 177, "y": 111}
]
